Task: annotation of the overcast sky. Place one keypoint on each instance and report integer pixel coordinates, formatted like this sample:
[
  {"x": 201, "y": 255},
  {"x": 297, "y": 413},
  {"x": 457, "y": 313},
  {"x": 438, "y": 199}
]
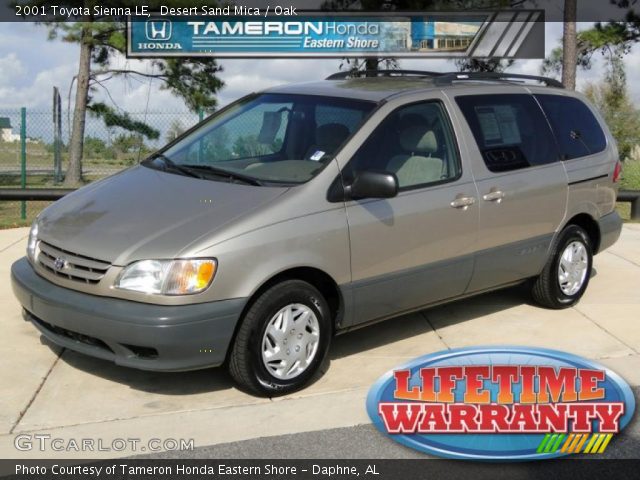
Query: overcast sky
[{"x": 30, "y": 66}]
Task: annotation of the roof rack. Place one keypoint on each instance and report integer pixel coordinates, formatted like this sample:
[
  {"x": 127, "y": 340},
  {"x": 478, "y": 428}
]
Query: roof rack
[
  {"x": 449, "y": 78},
  {"x": 381, "y": 73}
]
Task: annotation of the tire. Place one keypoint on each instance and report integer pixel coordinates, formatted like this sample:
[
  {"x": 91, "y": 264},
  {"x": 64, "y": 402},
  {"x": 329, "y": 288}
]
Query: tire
[
  {"x": 552, "y": 289},
  {"x": 299, "y": 303}
]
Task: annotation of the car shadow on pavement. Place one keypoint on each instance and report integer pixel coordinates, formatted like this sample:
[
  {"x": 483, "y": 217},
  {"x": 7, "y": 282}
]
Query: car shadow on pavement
[
  {"x": 353, "y": 343},
  {"x": 400, "y": 328}
]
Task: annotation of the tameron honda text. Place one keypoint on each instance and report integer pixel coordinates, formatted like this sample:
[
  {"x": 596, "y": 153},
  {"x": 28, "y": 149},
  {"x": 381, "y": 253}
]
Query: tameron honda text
[{"x": 501, "y": 403}]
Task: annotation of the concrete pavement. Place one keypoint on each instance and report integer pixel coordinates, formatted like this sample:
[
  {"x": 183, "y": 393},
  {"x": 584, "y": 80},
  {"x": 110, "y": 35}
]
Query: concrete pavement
[
  {"x": 70, "y": 396},
  {"x": 365, "y": 441}
]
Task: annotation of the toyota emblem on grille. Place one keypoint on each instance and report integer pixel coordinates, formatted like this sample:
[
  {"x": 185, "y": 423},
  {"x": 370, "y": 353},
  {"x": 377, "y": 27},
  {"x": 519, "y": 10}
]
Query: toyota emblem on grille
[{"x": 59, "y": 263}]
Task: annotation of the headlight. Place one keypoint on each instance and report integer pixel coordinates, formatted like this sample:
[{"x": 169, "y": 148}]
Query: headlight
[
  {"x": 168, "y": 277},
  {"x": 32, "y": 244}
]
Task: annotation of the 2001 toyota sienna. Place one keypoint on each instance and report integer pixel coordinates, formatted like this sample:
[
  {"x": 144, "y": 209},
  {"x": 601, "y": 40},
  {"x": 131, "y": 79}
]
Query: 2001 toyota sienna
[{"x": 308, "y": 210}]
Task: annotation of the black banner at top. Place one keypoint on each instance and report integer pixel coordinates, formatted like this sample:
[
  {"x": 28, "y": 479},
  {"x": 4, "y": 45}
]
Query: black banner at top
[{"x": 69, "y": 10}]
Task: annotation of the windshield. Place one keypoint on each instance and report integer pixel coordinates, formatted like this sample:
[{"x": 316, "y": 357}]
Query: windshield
[{"x": 269, "y": 138}]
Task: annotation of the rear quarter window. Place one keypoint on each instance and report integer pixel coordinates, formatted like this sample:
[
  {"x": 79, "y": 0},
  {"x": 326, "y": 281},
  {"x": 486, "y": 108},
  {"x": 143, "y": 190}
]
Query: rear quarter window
[
  {"x": 510, "y": 130},
  {"x": 576, "y": 128}
]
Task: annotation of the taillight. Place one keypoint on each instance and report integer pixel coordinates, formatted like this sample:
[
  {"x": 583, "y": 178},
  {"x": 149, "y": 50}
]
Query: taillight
[{"x": 617, "y": 172}]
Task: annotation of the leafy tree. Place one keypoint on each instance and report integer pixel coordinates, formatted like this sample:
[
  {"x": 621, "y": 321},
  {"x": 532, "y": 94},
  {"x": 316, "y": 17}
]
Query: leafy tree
[
  {"x": 631, "y": 171},
  {"x": 123, "y": 120},
  {"x": 569, "y": 44},
  {"x": 216, "y": 146},
  {"x": 612, "y": 39},
  {"x": 619, "y": 112},
  {"x": 369, "y": 63},
  {"x": 96, "y": 148},
  {"x": 610, "y": 95},
  {"x": 476, "y": 65},
  {"x": 607, "y": 40},
  {"x": 389, "y": 63},
  {"x": 125, "y": 143},
  {"x": 248, "y": 146},
  {"x": 128, "y": 147},
  {"x": 102, "y": 41},
  {"x": 627, "y": 32}
]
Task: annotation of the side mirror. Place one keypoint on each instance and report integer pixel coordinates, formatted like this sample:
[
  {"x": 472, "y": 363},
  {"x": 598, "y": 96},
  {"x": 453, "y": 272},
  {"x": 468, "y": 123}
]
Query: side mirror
[{"x": 370, "y": 184}]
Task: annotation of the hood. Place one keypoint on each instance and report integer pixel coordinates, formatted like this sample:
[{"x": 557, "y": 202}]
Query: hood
[{"x": 143, "y": 213}]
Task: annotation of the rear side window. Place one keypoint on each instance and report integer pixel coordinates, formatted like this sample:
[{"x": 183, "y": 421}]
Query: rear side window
[
  {"x": 576, "y": 128},
  {"x": 510, "y": 130}
]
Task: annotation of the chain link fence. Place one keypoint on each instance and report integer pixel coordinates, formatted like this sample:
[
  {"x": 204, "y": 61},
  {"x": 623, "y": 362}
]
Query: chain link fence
[{"x": 32, "y": 162}]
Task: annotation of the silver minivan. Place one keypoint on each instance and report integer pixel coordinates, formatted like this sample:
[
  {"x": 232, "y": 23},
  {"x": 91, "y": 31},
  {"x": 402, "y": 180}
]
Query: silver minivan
[{"x": 308, "y": 210}]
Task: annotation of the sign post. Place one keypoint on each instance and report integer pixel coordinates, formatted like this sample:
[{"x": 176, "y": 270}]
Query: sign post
[
  {"x": 57, "y": 136},
  {"x": 23, "y": 159}
]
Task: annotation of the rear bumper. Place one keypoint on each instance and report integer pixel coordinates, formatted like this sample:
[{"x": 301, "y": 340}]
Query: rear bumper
[
  {"x": 132, "y": 334},
  {"x": 610, "y": 228}
]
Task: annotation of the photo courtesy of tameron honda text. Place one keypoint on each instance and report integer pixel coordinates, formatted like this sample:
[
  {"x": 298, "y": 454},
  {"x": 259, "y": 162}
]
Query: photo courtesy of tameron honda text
[{"x": 320, "y": 229}]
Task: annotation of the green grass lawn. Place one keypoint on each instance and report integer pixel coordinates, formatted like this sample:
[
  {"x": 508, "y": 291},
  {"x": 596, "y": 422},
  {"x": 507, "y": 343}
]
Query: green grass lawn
[
  {"x": 624, "y": 209},
  {"x": 630, "y": 175},
  {"x": 10, "y": 213},
  {"x": 630, "y": 181},
  {"x": 40, "y": 165}
]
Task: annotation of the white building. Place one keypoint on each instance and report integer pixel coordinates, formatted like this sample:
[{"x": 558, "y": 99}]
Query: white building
[{"x": 6, "y": 132}]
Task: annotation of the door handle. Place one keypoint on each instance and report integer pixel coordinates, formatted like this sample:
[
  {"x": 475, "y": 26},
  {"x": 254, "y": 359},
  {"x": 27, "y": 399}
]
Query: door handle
[
  {"x": 463, "y": 202},
  {"x": 493, "y": 196}
]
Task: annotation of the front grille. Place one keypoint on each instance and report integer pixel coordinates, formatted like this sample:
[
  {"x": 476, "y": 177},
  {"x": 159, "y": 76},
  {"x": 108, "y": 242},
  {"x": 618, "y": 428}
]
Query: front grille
[{"x": 72, "y": 266}]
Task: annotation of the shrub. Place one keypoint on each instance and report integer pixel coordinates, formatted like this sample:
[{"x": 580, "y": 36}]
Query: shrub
[{"x": 631, "y": 171}]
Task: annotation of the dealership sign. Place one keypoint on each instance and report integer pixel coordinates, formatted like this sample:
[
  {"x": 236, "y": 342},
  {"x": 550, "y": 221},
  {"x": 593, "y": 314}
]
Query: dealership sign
[
  {"x": 471, "y": 35},
  {"x": 501, "y": 403}
]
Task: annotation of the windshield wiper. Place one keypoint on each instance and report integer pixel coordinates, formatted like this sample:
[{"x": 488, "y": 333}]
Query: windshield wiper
[
  {"x": 224, "y": 173},
  {"x": 204, "y": 171},
  {"x": 171, "y": 165}
]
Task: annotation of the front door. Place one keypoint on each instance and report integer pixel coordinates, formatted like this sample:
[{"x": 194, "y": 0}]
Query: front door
[{"x": 416, "y": 248}]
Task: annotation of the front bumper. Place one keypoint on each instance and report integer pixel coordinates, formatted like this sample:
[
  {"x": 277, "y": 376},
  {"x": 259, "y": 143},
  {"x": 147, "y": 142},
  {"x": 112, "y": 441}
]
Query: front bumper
[
  {"x": 132, "y": 334},
  {"x": 610, "y": 228}
]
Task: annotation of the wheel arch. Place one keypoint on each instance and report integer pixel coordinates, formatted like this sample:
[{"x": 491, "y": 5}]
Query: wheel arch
[
  {"x": 314, "y": 276},
  {"x": 590, "y": 225}
]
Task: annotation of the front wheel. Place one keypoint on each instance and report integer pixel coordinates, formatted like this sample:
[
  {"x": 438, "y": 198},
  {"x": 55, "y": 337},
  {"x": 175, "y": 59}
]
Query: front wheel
[
  {"x": 282, "y": 340},
  {"x": 566, "y": 275}
]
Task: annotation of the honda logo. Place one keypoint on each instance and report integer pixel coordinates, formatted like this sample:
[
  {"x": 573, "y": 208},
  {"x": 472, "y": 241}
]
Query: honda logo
[{"x": 158, "y": 29}]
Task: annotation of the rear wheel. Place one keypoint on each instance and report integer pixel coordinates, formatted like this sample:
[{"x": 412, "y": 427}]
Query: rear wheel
[
  {"x": 282, "y": 340},
  {"x": 566, "y": 275}
]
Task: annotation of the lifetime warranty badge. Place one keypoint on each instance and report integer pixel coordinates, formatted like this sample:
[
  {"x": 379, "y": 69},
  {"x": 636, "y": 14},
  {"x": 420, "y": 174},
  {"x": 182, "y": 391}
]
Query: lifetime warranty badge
[{"x": 501, "y": 403}]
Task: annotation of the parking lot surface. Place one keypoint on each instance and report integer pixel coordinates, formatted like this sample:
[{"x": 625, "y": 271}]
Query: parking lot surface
[{"x": 67, "y": 396}]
